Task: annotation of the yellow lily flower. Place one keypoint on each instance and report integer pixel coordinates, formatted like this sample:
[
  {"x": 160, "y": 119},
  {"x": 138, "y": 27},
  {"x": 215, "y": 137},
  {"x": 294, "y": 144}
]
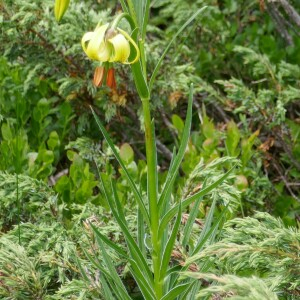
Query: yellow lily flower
[{"x": 105, "y": 44}]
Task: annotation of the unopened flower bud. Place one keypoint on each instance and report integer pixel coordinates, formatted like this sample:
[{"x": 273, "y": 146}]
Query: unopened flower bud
[{"x": 60, "y": 8}]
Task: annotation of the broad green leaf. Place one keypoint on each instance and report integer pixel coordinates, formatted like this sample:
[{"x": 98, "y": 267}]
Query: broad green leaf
[
  {"x": 158, "y": 65},
  {"x": 178, "y": 159},
  {"x": 232, "y": 139},
  {"x": 6, "y": 132},
  {"x": 133, "y": 187},
  {"x": 126, "y": 153}
]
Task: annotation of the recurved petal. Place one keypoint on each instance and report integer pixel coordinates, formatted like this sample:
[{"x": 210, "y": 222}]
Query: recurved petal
[
  {"x": 121, "y": 48},
  {"x": 86, "y": 39},
  {"x": 96, "y": 42}
]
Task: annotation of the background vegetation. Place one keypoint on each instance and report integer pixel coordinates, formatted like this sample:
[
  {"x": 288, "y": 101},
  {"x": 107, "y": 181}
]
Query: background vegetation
[{"x": 243, "y": 58}]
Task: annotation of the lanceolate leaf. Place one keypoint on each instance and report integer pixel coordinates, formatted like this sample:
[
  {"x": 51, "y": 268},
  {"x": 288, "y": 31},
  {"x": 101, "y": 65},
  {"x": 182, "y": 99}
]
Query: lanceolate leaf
[
  {"x": 172, "y": 294},
  {"x": 133, "y": 187},
  {"x": 170, "y": 244},
  {"x": 108, "y": 242},
  {"x": 145, "y": 287},
  {"x": 186, "y": 202},
  {"x": 113, "y": 273},
  {"x": 178, "y": 159}
]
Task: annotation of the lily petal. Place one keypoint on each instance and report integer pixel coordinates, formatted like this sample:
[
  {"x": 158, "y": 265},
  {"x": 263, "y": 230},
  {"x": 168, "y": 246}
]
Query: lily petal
[
  {"x": 121, "y": 48},
  {"x": 96, "y": 41},
  {"x": 133, "y": 43}
]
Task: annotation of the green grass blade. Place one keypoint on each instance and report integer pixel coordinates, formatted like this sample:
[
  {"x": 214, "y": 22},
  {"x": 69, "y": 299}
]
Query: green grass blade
[
  {"x": 172, "y": 294},
  {"x": 158, "y": 65},
  {"x": 82, "y": 271},
  {"x": 169, "y": 247},
  {"x": 132, "y": 185},
  {"x": 186, "y": 202},
  {"x": 178, "y": 159}
]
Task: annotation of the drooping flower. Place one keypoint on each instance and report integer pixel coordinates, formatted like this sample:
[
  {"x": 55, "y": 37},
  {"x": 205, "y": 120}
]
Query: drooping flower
[{"x": 106, "y": 44}]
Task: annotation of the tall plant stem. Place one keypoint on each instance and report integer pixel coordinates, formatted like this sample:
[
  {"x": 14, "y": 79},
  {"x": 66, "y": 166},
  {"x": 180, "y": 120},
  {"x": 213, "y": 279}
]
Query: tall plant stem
[{"x": 152, "y": 195}]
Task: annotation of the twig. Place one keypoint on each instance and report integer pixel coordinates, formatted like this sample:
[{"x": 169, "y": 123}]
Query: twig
[{"x": 279, "y": 23}]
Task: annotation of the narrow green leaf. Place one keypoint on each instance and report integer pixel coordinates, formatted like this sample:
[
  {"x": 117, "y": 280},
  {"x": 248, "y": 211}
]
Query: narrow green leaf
[
  {"x": 139, "y": 10},
  {"x": 207, "y": 225},
  {"x": 172, "y": 294},
  {"x": 139, "y": 80},
  {"x": 141, "y": 232},
  {"x": 82, "y": 271},
  {"x": 135, "y": 251},
  {"x": 146, "y": 289},
  {"x": 105, "y": 288},
  {"x": 117, "y": 201},
  {"x": 124, "y": 6},
  {"x": 113, "y": 273},
  {"x": 192, "y": 217},
  {"x": 191, "y": 292},
  {"x": 178, "y": 159},
  {"x": 158, "y": 65},
  {"x": 208, "y": 233},
  {"x": 186, "y": 202},
  {"x": 109, "y": 243},
  {"x": 132, "y": 185},
  {"x": 146, "y": 18},
  {"x": 169, "y": 247}
]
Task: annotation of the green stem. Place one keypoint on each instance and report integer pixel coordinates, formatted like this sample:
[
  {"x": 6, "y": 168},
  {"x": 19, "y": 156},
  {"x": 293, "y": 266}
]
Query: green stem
[{"x": 153, "y": 196}]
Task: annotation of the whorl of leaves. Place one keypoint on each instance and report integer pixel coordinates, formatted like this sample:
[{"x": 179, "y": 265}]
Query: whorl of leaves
[{"x": 262, "y": 246}]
